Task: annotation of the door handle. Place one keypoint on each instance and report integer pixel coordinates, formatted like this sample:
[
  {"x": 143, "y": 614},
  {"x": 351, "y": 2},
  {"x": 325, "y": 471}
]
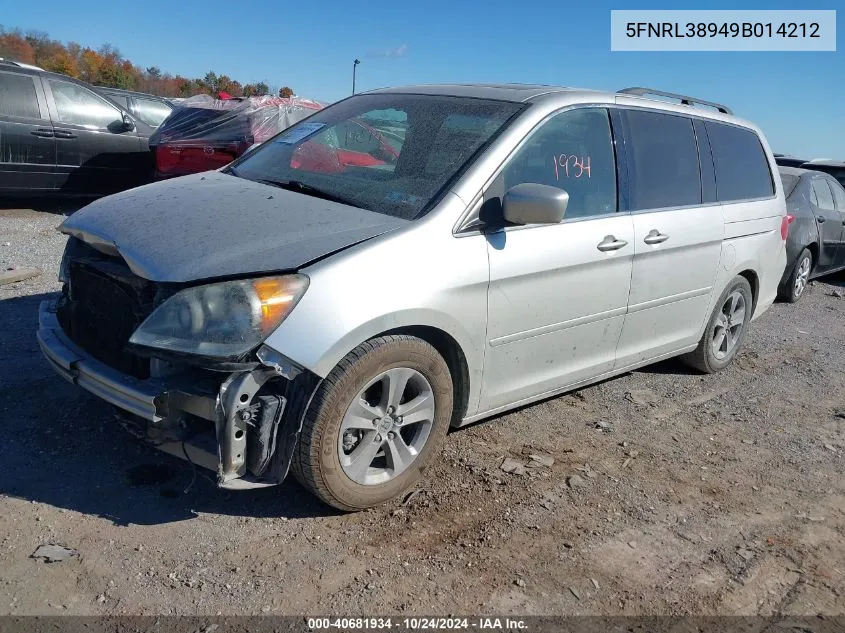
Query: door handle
[
  {"x": 65, "y": 134},
  {"x": 655, "y": 237},
  {"x": 43, "y": 133},
  {"x": 610, "y": 243},
  {"x": 820, "y": 219}
]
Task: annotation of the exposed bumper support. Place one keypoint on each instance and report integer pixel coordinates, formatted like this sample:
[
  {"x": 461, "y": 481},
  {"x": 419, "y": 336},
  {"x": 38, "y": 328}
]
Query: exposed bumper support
[
  {"x": 135, "y": 396},
  {"x": 236, "y": 441},
  {"x": 233, "y": 421}
]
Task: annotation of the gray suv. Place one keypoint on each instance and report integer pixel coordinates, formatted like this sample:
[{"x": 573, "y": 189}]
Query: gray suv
[{"x": 412, "y": 259}]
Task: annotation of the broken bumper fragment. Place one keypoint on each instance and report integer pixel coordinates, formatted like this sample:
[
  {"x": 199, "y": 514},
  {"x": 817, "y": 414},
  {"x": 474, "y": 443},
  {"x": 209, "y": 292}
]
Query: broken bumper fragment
[{"x": 243, "y": 425}]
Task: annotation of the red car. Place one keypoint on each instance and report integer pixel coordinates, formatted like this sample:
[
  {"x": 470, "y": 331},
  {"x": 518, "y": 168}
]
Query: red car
[
  {"x": 352, "y": 143},
  {"x": 203, "y": 133}
]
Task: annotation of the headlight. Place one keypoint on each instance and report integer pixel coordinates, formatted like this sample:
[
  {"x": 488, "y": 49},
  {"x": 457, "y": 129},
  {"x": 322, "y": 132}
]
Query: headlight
[{"x": 221, "y": 320}]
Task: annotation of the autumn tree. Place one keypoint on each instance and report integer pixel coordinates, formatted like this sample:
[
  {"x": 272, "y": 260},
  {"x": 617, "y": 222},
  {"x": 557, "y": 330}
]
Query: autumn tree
[
  {"x": 45, "y": 48},
  {"x": 13, "y": 45},
  {"x": 106, "y": 66},
  {"x": 183, "y": 87},
  {"x": 90, "y": 65},
  {"x": 211, "y": 82},
  {"x": 74, "y": 50},
  {"x": 61, "y": 62},
  {"x": 227, "y": 84},
  {"x": 285, "y": 92}
]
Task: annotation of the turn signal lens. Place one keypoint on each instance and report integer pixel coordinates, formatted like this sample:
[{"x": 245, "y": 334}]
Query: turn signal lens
[{"x": 276, "y": 297}]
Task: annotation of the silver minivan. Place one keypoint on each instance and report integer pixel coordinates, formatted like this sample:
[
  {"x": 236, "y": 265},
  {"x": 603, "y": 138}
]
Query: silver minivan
[{"x": 413, "y": 259}]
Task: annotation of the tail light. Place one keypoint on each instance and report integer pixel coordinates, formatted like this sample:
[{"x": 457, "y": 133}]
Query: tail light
[
  {"x": 191, "y": 158},
  {"x": 784, "y": 225}
]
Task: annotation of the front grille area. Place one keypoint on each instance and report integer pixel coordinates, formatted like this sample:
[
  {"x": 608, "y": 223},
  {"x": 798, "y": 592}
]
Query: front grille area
[{"x": 100, "y": 308}]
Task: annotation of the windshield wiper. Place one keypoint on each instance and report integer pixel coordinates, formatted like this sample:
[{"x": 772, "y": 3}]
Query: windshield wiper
[{"x": 308, "y": 190}]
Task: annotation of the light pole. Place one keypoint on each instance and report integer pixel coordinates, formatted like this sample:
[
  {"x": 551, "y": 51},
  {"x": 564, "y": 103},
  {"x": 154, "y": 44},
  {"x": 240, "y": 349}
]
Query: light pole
[{"x": 354, "y": 68}]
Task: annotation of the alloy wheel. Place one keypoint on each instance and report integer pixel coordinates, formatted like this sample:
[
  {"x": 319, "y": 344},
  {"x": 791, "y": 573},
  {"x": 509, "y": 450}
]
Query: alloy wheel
[
  {"x": 729, "y": 324},
  {"x": 802, "y": 277},
  {"x": 386, "y": 426}
]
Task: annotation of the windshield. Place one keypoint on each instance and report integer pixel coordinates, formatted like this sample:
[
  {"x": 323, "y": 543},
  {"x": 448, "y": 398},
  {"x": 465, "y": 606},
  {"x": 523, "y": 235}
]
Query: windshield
[{"x": 389, "y": 153}]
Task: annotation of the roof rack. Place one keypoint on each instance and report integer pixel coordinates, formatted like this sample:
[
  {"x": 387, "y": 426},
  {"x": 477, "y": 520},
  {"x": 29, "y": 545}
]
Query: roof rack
[{"x": 687, "y": 101}]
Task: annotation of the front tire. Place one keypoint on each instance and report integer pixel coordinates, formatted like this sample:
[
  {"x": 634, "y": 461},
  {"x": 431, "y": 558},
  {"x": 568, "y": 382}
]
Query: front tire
[
  {"x": 376, "y": 422},
  {"x": 794, "y": 287},
  {"x": 726, "y": 329}
]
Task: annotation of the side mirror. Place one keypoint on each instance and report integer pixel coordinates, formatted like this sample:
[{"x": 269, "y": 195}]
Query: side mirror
[
  {"x": 127, "y": 124},
  {"x": 531, "y": 203}
]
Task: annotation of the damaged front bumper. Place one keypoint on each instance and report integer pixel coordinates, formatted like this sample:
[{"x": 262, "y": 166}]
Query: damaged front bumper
[{"x": 243, "y": 425}]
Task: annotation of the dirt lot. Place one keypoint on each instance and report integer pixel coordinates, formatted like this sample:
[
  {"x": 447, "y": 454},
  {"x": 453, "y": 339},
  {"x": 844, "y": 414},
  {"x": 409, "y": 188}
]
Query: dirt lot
[{"x": 670, "y": 492}]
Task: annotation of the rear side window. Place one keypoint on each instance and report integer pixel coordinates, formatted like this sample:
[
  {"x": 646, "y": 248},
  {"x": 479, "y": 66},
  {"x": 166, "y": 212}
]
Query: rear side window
[
  {"x": 118, "y": 99},
  {"x": 839, "y": 196},
  {"x": 824, "y": 198},
  {"x": 742, "y": 170},
  {"x": 17, "y": 96},
  {"x": 151, "y": 111},
  {"x": 662, "y": 161}
]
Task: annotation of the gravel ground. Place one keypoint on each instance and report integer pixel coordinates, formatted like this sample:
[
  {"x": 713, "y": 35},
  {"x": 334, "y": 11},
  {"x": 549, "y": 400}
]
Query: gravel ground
[{"x": 669, "y": 492}]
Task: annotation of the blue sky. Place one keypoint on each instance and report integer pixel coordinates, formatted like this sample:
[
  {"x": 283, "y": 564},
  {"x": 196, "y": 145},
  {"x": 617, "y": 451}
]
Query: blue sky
[{"x": 797, "y": 98}]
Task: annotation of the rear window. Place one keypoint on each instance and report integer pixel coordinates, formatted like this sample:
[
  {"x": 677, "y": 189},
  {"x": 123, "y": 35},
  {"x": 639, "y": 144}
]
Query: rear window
[
  {"x": 17, "y": 96},
  {"x": 742, "y": 170},
  {"x": 663, "y": 161},
  {"x": 206, "y": 124},
  {"x": 789, "y": 182}
]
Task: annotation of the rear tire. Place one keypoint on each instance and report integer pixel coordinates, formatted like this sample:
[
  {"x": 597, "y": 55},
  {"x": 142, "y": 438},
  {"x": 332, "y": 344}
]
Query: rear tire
[
  {"x": 351, "y": 410},
  {"x": 726, "y": 329},
  {"x": 796, "y": 285}
]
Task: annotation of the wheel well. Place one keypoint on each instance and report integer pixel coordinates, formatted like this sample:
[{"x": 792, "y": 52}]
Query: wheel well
[
  {"x": 754, "y": 281},
  {"x": 454, "y": 356}
]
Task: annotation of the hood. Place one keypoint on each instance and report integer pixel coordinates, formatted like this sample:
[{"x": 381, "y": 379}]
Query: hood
[{"x": 211, "y": 225}]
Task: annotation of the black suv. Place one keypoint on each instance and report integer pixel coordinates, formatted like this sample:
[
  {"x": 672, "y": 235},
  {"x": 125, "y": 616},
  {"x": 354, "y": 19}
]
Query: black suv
[
  {"x": 150, "y": 109},
  {"x": 57, "y": 135}
]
